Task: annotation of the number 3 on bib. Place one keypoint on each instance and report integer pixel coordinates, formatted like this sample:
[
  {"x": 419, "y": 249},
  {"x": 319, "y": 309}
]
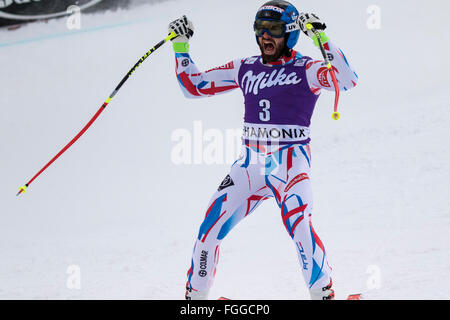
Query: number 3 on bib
[{"x": 264, "y": 115}]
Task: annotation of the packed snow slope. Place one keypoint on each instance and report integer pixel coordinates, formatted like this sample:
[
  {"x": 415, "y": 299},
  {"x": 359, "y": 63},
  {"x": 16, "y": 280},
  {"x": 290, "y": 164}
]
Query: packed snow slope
[{"x": 119, "y": 209}]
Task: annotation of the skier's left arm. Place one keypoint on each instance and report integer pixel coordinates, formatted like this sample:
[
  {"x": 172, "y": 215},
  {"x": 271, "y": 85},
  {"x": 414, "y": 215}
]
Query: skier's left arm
[{"x": 317, "y": 73}]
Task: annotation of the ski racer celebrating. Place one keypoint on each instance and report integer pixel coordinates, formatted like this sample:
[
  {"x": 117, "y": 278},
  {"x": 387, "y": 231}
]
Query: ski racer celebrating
[{"x": 280, "y": 88}]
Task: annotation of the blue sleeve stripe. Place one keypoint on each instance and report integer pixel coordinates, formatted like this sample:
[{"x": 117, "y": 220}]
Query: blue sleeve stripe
[
  {"x": 202, "y": 84},
  {"x": 181, "y": 55},
  {"x": 343, "y": 55}
]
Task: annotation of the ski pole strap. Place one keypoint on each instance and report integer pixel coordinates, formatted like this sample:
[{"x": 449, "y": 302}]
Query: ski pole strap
[
  {"x": 322, "y": 36},
  {"x": 181, "y": 47}
]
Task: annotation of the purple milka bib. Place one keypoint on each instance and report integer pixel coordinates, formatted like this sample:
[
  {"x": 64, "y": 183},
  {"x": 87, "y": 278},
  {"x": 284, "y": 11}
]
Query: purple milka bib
[{"x": 278, "y": 101}]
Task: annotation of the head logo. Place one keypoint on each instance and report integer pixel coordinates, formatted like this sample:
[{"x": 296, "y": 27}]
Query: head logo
[
  {"x": 292, "y": 27},
  {"x": 273, "y": 8},
  {"x": 292, "y": 15}
]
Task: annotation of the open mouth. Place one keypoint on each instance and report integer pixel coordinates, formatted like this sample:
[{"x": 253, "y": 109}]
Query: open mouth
[{"x": 269, "y": 48}]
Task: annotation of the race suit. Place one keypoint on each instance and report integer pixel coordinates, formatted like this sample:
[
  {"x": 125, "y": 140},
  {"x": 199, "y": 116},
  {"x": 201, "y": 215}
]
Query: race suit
[{"x": 276, "y": 158}]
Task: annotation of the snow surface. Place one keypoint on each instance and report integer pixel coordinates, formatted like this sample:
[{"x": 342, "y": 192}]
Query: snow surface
[{"x": 118, "y": 207}]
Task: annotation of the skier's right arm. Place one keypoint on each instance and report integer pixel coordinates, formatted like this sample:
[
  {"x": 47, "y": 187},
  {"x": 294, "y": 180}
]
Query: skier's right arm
[{"x": 193, "y": 83}]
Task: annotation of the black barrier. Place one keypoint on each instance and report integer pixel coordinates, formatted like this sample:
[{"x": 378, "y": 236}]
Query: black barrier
[{"x": 16, "y": 12}]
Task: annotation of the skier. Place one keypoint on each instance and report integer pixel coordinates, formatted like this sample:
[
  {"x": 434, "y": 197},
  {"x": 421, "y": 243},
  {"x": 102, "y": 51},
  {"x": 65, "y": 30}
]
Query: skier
[{"x": 280, "y": 88}]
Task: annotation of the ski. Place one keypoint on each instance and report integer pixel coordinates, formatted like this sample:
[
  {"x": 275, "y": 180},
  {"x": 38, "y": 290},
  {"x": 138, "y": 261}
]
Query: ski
[{"x": 355, "y": 296}]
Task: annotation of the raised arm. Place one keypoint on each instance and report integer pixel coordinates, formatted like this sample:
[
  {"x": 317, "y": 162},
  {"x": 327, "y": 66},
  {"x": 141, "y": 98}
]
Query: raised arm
[
  {"x": 317, "y": 73},
  {"x": 193, "y": 83}
]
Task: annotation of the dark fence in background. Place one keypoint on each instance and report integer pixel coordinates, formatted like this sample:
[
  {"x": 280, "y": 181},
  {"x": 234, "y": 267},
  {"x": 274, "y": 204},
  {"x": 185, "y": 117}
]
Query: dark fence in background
[{"x": 17, "y": 12}]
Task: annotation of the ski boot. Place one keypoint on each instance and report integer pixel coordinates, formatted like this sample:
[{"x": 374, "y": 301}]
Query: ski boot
[
  {"x": 325, "y": 293},
  {"x": 192, "y": 294}
]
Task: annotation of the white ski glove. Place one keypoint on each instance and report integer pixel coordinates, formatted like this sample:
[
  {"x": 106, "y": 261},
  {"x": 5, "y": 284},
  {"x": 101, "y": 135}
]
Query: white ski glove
[
  {"x": 314, "y": 20},
  {"x": 310, "y": 18},
  {"x": 183, "y": 27}
]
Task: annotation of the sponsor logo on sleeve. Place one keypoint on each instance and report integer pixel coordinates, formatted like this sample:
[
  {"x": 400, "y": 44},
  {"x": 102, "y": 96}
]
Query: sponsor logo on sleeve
[
  {"x": 322, "y": 77},
  {"x": 227, "y": 66},
  {"x": 185, "y": 62}
]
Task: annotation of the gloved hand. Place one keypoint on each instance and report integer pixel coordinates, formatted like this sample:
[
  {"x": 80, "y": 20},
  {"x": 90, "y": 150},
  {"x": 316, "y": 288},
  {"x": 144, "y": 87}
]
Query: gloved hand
[
  {"x": 305, "y": 18},
  {"x": 183, "y": 27}
]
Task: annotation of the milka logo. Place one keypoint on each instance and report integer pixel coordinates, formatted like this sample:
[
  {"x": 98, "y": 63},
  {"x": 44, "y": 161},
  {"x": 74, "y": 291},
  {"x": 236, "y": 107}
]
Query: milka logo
[
  {"x": 7, "y": 3},
  {"x": 254, "y": 83}
]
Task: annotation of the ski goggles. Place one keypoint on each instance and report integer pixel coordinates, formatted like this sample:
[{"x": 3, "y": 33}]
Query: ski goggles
[{"x": 276, "y": 29}]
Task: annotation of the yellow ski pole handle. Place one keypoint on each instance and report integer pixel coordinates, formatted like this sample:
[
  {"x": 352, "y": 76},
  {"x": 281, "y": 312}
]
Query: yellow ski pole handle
[{"x": 171, "y": 36}]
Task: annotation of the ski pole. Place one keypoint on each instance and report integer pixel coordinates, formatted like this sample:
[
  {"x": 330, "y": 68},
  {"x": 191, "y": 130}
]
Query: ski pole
[
  {"x": 335, "y": 114},
  {"x": 171, "y": 36}
]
